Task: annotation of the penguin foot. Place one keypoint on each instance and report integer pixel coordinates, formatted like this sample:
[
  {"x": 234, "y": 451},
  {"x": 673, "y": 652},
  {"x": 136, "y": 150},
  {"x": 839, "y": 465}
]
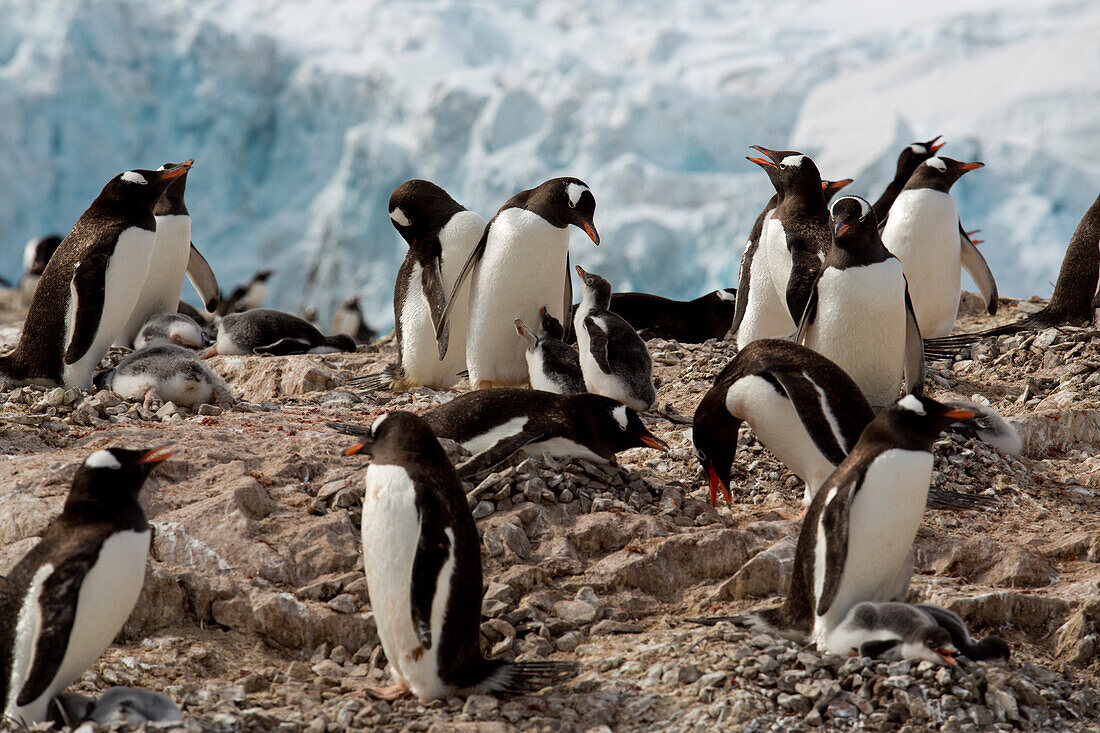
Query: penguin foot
[
  {"x": 483, "y": 384},
  {"x": 223, "y": 397},
  {"x": 391, "y": 693},
  {"x": 152, "y": 401}
]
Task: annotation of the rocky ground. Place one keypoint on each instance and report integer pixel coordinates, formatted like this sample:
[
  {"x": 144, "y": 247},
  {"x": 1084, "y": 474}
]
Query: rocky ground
[{"x": 255, "y": 613}]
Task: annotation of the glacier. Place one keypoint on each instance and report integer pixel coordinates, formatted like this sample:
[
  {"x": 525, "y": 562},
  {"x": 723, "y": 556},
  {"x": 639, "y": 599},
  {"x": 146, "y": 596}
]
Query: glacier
[{"x": 302, "y": 118}]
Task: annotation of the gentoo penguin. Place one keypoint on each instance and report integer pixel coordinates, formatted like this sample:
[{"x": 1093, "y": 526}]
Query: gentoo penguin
[
  {"x": 891, "y": 630},
  {"x": 68, "y": 597},
  {"x": 910, "y": 157},
  {"x": 275, "y": 333},
  {"x": 796, "y": 238},
  {"x": 856, "y": 539},
  {"x": 348, "y": 320},
  {"x": 859, "y": 314},
  {"x": 520, "y": 264},
  {"x": 923, "y": 231},
  {"x": 687, "y": 321},
  {"x": 36, "y": 255},
  {"x": 493, "y": 424},
  {"x": 173, "y": 257},
  {"x": 247, "y": 296},
  {"x": 172, "y": 328},
  {"x": 614, "y": 359},
  {"x": 1072, "y": 302},
  {"x": 87, "y": 291},
  {"x": 441, "y": 235},
  {"x": 989, "y": 649},
  {"x": 765, "y": 309},
  {"x": 422, "y": 558},
  {"x": 552, "y": 365},
  {"x": 165, "y": 372},
  {"x": 133, "y": 706}
]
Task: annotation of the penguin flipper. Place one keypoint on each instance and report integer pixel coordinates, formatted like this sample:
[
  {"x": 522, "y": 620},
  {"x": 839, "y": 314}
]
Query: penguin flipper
[
  {"x": 492, "y": 456},
  {"x": 88, "y": 292},
  {"x": 598, "y": 344},
  {"x": 284, "y": 347},
  {"x": 431, "y": 284},
  {"x": 567, "y": 305},
  {"x": 978, "y": 269},
  {"x": 914, "y": 349},
  {"x": 473, "y": 259},
  {"x": 432, "y": 550},
  {"x": 811, "y": 410},
  {"x": 805, "y": 268},
  {"x": 744, "y": 275},
  {"x": 834, "y": 520},
  {"x": 809, "y": 315},
  {"x": 876, "y": 649},
  {"x": 203, "y": 280},
  {"x": 350, "y": 428}
]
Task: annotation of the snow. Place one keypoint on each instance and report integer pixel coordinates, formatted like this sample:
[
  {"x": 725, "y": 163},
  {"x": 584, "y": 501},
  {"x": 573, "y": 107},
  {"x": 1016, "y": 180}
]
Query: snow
[{"x": 303, "y": 117}]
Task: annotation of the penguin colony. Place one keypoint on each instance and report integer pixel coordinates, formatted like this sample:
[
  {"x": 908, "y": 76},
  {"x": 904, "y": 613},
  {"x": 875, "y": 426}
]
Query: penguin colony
[{"x": 830, "y": 315}]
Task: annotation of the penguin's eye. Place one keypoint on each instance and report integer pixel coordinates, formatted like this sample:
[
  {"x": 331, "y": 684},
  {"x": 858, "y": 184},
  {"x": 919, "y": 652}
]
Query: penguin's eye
[{"x": 782, "y": 166}]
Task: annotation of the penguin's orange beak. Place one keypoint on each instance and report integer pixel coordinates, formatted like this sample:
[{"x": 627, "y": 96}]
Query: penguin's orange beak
[
  {"x": 948, "y": 656},
  {"x": 715, "y": 484},
  {"x": 179, "y": 170},
  {"x": 653, "y": 442},
  {"x": 212, "y": 351},
  {"x": 354, "y": 449},
  {"x": 936, "y": 146},
  {"x": 972, "y": 166},
  {"x": 840, "y": 230},
  {"x": 960, "y": 413},
  {"x": 580, "y": 271},
  {"x": 156, "y": 455},
  {"x": 762, "y": 162},
  {"x": 835, "y": 185}
]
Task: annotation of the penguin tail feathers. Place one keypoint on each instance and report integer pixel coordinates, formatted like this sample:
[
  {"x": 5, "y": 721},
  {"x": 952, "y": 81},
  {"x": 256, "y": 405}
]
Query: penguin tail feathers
[
  {"x": 389, "y": 378},
  {"x": 771, "y": 621},
  {"x": 520, "y": 678},
  {"x": 989, "y": 649},
  {"x": 945, "y": 499},
  {"x": 946, "y": 347}
]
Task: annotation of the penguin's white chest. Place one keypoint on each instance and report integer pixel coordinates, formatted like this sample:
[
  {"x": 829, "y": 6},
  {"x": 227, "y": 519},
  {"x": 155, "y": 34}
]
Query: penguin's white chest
[
  {"x": 774, "y": 420},
  {"x": 773, "y": 240},
  {"x": 923, "y": 232},
  {"x": 128, "y": 265},
  {"x": 160, "y": 293},
  {"x": 882, "y": 524},
  {"x": 522, "y": 270},
  {"x": 391, "y": 533},
  {"x": 419, "y": 353},
  {"x": 107, "y": 596},
  {"x": 860, "y": 325},
  {"x": 766, "y": 313}
]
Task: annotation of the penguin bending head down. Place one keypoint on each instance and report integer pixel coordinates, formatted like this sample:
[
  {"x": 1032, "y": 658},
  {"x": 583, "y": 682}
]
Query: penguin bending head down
[
  {"x": 87, "y": 292},
  {"x": 68, "y": 597},
  {"x": 422, "y": 558}
]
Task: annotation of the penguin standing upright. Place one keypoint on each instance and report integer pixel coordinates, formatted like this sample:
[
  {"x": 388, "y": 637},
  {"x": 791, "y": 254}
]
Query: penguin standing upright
[
  {"x": 441, "y": 235},
  {"x": 173, "y": 257},
  {"x": 348, "y": 320},
  {"x": 859, "y": 314},
  {"x": 422, "y": 558},
  {"x": 923, "y": 231},
  {"x": 797, "y": 235},
  {"x": 855, "y": 541},
  {"x": 87, "y": 292},
  {"x": 552, "y": 365},
  {"x": 908, "y": 159},
  {"x": 520, "y": 264},
  {"x": 68, "y": 598},
  {"x": 36, "y": 255},
  {"x": 614, "y": 359}
]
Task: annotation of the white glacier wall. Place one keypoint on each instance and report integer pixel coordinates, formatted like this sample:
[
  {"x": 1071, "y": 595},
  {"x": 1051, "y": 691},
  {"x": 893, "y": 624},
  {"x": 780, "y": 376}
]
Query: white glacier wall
[{"x": 303, "y": 117}]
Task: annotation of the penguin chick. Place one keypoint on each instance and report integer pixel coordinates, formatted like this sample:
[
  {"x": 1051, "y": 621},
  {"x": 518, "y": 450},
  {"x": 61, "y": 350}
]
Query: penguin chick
[
  {"x": 166, "y": 372},
  {"x": 68, "y": 597},
  {"x": 422, "y": 558},
  {"x": 133, "y": 706},
  {"x": 614, "y": 359},
  {"x": 552, "y": 365},
  {"x": 989, "y": 649},
  {"x": 174, "y": 328},
  {"x": 893, "y": 631},
  {"x": 268, "y": 331}
]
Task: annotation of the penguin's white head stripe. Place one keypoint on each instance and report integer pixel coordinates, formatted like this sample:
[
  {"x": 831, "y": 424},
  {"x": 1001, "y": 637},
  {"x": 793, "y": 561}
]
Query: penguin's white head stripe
[
  {"x": 399, "y": 217},
  {"x": 619, "y": 413},
  {"x": 911, "y": 403},
  {"x": 792, "y": 160},
  {"x": 377, "y": 424},
  {"x": 574, "y": 191},
  {"x": 936, "y": 163},
  {"x": 102, "y": 459},
  {"x": 918, "y": 149},
  {"x": 864, "y": 207},
  {"x": 134, "y": 177}
]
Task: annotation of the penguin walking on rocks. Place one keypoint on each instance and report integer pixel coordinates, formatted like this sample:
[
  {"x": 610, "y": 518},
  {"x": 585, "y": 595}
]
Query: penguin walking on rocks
[
  {"x": 614, "y": 359},
  {"x": 265, "y": 331},
  {"x": 36, "y": 255},
  {"x": 87, "y": 292},
  {"x": 442, "y": 235},
  {"x": 889, "y": 630},
  {"x": 165, "y": 372},
  {"x": 909, "y": 158},
  {"x": 68, "y": 598},
  {"x": 752, "y": 246},
  {"x": 170, "y": 328},
  {"x": 859, "y": 313},
  {"x": 552, "y": 365},
  {"x": 348, "y": 320},
  {"x": 520, "y": 265},
  {"x": 924, "y": 232},
  {"x": 856, "y": 539},
  {"x": 173, "y": 256},
  {"x": 422, "y": 558}
]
